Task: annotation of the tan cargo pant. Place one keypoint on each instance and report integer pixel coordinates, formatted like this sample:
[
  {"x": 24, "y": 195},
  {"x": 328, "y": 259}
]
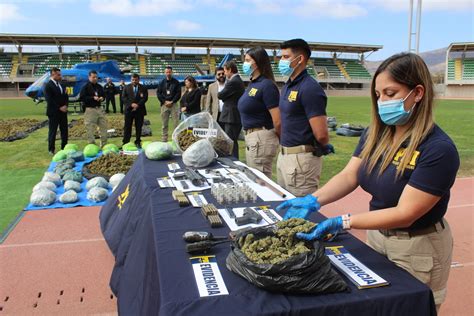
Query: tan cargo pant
[
  {"x": 426, "y": 257},
  {"x": 260, "y": 149},
  {"x": 94, "y": 117},
  {"x": 166, "y": 113},
  {"x": 299, "y": 173}
]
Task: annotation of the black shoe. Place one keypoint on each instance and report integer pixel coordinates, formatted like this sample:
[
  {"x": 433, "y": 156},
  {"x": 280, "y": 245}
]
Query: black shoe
[{"x": 138, "y": 146}]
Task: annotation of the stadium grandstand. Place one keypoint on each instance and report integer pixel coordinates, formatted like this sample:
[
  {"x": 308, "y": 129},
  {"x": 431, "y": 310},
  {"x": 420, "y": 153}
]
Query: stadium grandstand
[
  {"x": 459, "y": 73},
  {"x": 23, "y": 58}
]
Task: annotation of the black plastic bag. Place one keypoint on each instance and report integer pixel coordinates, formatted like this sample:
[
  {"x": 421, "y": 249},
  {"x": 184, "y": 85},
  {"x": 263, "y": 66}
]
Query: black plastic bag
[{"x": 308, "y": 273}]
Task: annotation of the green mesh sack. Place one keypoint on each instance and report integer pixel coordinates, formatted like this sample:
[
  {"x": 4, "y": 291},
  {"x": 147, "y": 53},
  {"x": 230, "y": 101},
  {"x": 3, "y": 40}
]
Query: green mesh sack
[
  {"x": 69, "y": 151},
  {"x": 110, "y": 147},
  {"x": 158, "y": 151},
  {"x": 130, "y": 147},
  {"x": 71, "y": 146},
  {"x": 108, "y": 151},
  {"x": 60, "y": 155},
  {"x": 91, "y": 150}
]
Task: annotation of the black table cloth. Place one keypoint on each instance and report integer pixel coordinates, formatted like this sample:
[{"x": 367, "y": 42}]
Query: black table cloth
[{"x": 143, "y": 227}]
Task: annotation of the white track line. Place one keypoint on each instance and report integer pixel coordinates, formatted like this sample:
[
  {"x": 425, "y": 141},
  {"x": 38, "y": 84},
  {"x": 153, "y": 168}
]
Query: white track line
[
  {"x": 48, "y": 243},
  {"x": 462, "y": 205},
  {"x": 456, "y": 265}
]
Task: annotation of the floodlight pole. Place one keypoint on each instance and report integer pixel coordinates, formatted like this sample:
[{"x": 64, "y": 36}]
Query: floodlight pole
[
  {"x": 410, "y": 23},
  {"x": 418, "y": 26},
  {"x": 415, "y": 49}
]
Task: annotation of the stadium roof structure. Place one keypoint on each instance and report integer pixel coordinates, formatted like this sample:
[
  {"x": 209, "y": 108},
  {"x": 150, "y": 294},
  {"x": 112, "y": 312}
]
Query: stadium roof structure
[
  {"x": 461, "y": 47},
  {"x": 167, "y": 41}
]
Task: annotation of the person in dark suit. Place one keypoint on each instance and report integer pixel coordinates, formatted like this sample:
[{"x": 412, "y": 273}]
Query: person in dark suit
[
  {"x": 230, "y": 95},
  {"x": 57, "y": 101},
  {"x": 109, "y": 90},
  {"x": 191, "y": 100},
  {"x": 134, "y": 96},
  {"x": 168, "y": 93},
  {"x": 120, "y": 88}
]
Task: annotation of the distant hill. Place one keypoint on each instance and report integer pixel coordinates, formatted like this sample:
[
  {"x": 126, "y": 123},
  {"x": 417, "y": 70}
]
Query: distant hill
[{"x": 435, "y": 59}]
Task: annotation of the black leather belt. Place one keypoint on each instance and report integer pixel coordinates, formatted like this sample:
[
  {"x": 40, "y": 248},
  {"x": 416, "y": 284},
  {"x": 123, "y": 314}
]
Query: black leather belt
[{"x": 437, "y": 227}]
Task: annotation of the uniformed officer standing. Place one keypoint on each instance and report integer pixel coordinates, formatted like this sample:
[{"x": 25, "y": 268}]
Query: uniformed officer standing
[
  {"x": 169, "y": 93},
  {"x": 92, "y": 94},
  {"x": 304, "y": 132},
  {"x": 109, "y": 90},
  {"x": 259, "y": 111},
  {"x": 135, "y": 96}
]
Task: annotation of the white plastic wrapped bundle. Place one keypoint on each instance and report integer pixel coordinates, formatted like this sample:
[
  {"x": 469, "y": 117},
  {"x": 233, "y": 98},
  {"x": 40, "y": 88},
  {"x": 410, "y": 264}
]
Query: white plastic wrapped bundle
[
  {"x": 42, "y": 197},
  {"x": 97, "y": 182},
  {"x": 200, "y": 154},
  {"x": 72, "y": 185},
  {"x": 69, "y": 196},
  {"x": 45, "y": 185},
  {"x": 116, "y": 179},
  {"x": 97, "y": 194},
  {"x": 52, "y": 177}
]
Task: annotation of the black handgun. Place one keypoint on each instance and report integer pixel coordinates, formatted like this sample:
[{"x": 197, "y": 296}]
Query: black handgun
[
  {"x": 192, "y": 175},
  {"x": 250, "y": 217}
]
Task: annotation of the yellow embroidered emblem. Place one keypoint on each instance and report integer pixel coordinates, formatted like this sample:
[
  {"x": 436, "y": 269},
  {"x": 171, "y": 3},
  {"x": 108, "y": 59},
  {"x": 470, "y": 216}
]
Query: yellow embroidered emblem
[
  {"x": 253, "y": 92},
  {"x": 292, "y": 96},
  {"x": 398, "y": 157},
  {"x": 123, "y": 197}
]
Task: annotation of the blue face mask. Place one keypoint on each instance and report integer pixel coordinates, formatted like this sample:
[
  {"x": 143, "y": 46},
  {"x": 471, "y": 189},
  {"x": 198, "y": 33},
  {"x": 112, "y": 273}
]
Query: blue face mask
[
  {"x": 392, "y": 112},
  {"x": 247, "y": 68},
  {"x": 285, "y": 68}
]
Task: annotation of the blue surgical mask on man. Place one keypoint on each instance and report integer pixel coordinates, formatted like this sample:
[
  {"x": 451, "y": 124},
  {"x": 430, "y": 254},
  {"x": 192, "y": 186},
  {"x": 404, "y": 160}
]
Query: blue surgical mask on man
[
  {"x": 392, "y": 112},
  {"x": 247, "y": 68},
  {"x": 284, "y": 66}
]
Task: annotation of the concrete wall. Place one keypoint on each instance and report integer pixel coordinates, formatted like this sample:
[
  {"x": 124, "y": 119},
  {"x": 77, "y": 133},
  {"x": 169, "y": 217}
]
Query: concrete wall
[
  {"x": 348, "y": 93},
  {"x": 12, "y": 93},
  {"x": 459, "y": 91}
]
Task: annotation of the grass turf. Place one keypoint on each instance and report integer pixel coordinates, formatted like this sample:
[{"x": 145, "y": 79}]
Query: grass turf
[{"x": 23, "y": 162}]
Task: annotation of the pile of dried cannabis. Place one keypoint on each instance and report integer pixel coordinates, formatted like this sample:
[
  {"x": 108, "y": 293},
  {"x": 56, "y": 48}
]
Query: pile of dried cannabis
[{"x": 281, "y": 246}]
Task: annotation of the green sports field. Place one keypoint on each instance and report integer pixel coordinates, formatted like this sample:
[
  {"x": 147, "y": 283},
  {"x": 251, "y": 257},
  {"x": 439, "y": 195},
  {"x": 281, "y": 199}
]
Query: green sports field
[{"x": 23, "y": 162}]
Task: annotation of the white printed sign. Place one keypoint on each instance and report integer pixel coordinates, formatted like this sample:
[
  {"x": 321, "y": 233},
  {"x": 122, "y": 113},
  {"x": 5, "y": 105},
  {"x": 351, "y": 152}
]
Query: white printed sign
[
  {"x": 204, "y": 132},
  {"x": 208, "y": 276},
  {"x": 357, "y": 272}
]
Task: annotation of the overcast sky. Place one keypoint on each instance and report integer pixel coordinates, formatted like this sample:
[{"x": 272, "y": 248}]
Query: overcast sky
[{"x": 379, "y": 22}]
